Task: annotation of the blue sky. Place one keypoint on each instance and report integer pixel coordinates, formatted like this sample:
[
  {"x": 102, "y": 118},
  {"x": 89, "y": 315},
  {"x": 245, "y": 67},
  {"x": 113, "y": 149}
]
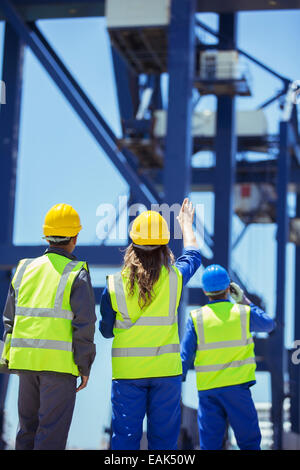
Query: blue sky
[{"x": 60, "y": 161}]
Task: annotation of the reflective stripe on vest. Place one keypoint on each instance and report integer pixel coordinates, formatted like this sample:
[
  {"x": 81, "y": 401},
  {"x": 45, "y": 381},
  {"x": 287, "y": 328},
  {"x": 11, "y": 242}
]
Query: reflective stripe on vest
[
  {"x": 203, "y": 346},
  {"x": 41, "y": 344},
  {"x": 216, "y": 367},
  {"x": 145, "y": 352},
  {"x": 19, "y": 277},
  {"x": 117, "y": 285},
  {"x": 42, "y": 336},
  {"x": 146, "y": 341},
  {"x": 57, "y": 311},
  {"x": 220, "y": 363}
]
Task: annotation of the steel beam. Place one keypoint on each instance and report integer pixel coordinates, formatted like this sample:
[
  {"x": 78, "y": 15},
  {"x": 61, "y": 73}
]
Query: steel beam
[
  {"x": 9, "y": 138},
  {"x": 178, "y": 150},
  {"x": 32, "y": 10},
  {"x": 225, "y": 149},
  {"x": 155, "y": 82},
  {"x": 181, "y": 62},
  {"x": 127, "y": 84},
  {"x": 276, "y": 340},
  {"x": 95, "y": 255},
  {"x": 4, "y": 286},
  {"x": 46, "y": 9},
  {"x": 9, "y": 129},
  {"x": 294, "y": 368}
]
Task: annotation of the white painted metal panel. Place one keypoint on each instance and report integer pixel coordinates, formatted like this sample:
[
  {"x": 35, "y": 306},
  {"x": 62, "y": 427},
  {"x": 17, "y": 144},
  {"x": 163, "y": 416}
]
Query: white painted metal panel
[{"x": 136, "y": 13}]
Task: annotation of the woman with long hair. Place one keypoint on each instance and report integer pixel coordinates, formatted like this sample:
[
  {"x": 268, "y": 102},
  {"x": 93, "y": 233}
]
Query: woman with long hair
[{"x": 139, "y": 310}]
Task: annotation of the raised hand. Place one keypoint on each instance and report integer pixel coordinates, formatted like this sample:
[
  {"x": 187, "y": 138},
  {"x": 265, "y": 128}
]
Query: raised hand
[
  {"x": 185, "y": 220},
  {"x": 186, "y": 214}
]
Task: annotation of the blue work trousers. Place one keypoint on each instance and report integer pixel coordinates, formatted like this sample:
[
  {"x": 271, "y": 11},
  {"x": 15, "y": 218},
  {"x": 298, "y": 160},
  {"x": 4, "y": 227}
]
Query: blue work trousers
[
  {"x": 159, "y": 399},
  {"x": 233, "y": 405}
]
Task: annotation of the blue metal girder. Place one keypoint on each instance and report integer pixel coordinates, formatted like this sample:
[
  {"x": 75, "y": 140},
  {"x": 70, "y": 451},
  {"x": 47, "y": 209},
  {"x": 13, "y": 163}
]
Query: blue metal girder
[
  {"x": 272, "y": 99},
  {"x": 9, "y": 137},
  {"x": 4, "y": 286},
  {"x": 178, "y": 150},
  {"x": 276, "y": 340},
  {"x": 95, "y": 255},
  {"x": 32, "y": 10},
  {"x": 140, "y": 187},
  {"x": 9, "y": 129},
  {"x": 154, "y": 81},
  {"x": 294, "y": 369},
  {"x": 293, "y": 137},
  {"x": 261, "y": 354},
  {"x": 225, "y": 151},
  {"x": 37, "y": 9},
  {"x": 181, "y": 61},
  {"x": 127, "y": 84}
]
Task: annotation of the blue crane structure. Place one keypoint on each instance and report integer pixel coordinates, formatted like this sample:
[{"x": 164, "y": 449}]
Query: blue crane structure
[{"x": 159, "y": 170}]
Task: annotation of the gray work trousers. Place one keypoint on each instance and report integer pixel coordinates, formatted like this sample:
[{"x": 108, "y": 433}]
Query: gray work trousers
[{"x": 45, "y": 404}]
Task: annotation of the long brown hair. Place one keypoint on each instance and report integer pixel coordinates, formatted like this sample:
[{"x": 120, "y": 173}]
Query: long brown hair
[{"x": 143, "y": 268}]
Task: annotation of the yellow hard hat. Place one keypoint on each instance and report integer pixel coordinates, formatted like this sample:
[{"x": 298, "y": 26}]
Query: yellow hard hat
[
  {"x": 150, "y": 228},
  {"x": 62, "y": 221}
]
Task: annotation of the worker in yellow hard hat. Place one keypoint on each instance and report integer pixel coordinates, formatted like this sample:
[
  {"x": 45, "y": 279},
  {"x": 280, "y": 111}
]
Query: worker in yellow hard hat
[
  {"x": 139, "y": 310},
  {"x": 49, "y": 322},
  {"x": 62, "y": 220}
]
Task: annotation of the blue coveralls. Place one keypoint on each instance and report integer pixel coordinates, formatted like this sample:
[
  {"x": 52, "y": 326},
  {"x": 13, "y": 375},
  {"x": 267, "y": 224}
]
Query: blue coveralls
[
  {"x": 157, "y": 397},
  {"x": 233, "y": 404}
]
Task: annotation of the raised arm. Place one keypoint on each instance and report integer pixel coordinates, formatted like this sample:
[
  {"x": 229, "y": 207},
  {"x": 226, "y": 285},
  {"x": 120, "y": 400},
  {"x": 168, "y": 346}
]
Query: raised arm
[
  {"x": 190, "y": 260},
  {"x": 185, "y": 220}
]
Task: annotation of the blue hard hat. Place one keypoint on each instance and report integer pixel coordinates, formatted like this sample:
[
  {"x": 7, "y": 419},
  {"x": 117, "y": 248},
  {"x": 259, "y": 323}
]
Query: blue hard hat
[{"x": 215, "y": 278}]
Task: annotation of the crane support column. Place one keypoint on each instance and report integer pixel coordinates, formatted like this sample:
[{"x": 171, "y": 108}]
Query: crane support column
[
  {"x": 225, "y": 150},
  {"x": 276, "y": 340},
  {"x": 177, "y": 162},
  {"x": 9, "y": 137},
  {"x": 294, "y": 368},
  {"x": 177, "y": 165}
]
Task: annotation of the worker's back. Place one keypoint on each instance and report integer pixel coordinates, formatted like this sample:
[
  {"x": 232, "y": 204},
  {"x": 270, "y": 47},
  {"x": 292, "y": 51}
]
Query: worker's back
[
  {"x": 42, "y": 333},
  {"x": 146, "y": 342},
  {"x": 225, "y": 348}
]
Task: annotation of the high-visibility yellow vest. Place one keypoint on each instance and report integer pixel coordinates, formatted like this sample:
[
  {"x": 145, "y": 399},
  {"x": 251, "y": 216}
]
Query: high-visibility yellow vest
[
  {"x": 41, "y": 339},
  {"x": 146, "y": 342},
  {"x": 225, "y": 347}
]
